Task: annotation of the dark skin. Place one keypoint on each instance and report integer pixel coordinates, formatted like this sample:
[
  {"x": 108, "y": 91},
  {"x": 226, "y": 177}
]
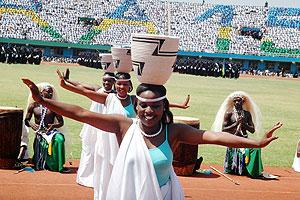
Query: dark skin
[
  {"x": 49, "y": 120},
  {"x": 107, "y": 83},
  {"x": 238, "y": 122},
  {"x": 122, "y": 88},
  {"x": 150, "y": 115}
]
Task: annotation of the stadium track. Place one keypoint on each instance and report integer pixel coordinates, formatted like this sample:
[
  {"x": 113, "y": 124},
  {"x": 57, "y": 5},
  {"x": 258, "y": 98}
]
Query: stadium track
[{"x": 53, "y": 185}]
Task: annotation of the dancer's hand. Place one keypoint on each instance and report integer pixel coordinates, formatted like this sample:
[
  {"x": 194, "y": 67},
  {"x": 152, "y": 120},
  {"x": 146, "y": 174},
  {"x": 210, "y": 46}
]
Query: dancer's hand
[
  {"x": 186, "y": 102},
  {"x": 50, "y": 128},
  {"x": 36, "y": 95},
  {"x": 61, "y": 78},
  {"x": 268, "y": 137},
  {"x": 67, "y": 74},
  {"x": 34, "y": 126}
]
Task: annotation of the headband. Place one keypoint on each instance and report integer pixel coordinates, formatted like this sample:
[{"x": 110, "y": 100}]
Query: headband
[
  {"x": 108, "y": 76},
  {"x": 123, "y": 79},
  {"x": 150, "y": 100}
]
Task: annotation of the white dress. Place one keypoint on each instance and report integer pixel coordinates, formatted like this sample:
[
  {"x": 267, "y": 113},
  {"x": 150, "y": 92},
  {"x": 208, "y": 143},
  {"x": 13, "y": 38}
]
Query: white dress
[
  {"x": 133, "y": 176},
  {"x": 296, "y": 163},
  {"x": 85, "y": 171},
  {"x": 92, "y": 155},
  {"x": 106, "y": 150}
]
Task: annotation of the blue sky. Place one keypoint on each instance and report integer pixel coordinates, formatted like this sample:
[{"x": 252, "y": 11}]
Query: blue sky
[{"x": 273, "y": 3}]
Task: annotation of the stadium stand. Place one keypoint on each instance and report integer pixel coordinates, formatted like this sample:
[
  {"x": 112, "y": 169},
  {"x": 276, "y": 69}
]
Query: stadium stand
[{"x": 206, "y": 28}]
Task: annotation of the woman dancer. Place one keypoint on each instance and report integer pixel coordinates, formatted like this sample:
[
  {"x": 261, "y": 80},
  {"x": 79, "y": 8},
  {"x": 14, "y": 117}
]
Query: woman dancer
[{"x": 143, "y": 167}]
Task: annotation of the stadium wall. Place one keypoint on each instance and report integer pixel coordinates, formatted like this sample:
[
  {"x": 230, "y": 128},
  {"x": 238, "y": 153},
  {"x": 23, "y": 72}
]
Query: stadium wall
[{"x": 68, "y": 50}]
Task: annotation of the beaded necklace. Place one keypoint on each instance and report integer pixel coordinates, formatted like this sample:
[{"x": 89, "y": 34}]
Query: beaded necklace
[
  {"x": 152, "y": 135},
  {"x": 122, "y": 98},
  {"x": 107, "y": 91},
  {"x": 43, "y": 114}
]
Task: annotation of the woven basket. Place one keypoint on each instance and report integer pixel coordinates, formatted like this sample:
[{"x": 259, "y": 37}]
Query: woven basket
[
  {"x": 122, "y": 59},
  {"x": 153, "y": 57},
  {"x": 107, "y": 63}
]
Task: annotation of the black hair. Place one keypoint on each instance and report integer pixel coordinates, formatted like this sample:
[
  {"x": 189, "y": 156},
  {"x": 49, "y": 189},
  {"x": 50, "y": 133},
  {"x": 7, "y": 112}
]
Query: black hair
[
  {"x": 167, "y": 117},
  {"x": 124, "y": 75},
  {"x": 110, "y": 74}
]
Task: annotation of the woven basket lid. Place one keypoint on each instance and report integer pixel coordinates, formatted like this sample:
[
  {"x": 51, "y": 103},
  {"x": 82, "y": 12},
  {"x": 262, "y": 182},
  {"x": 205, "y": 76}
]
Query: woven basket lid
[
  {"x": 153, "y": 57},
  {"x": 122, "y": 59},
  {"x": 107, "y": 63}
]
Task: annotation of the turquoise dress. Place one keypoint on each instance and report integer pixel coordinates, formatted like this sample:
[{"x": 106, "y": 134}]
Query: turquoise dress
[
  {"x": 162, "y": 158},
  {"x": 130, "y": 112}
]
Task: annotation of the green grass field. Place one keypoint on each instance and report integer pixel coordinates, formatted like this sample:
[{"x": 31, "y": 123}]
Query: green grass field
[{"x": 278, "y": 100}]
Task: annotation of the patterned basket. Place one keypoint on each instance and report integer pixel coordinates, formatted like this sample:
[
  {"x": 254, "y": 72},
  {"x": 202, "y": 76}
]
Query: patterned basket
[
  {"x": 122, "y": 59},
  {"x": 153, "y": 57}
]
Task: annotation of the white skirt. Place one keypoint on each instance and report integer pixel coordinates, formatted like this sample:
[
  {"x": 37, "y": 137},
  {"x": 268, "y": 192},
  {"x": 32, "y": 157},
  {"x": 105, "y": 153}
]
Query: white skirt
[{"x": 296, "y": 163}]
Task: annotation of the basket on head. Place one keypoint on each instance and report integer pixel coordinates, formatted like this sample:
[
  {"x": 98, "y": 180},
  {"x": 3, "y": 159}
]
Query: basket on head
[
  {"x": 122, "y": 59},
  {"x": 153, "y": 57},
  {"x": 107, "y": 62}
]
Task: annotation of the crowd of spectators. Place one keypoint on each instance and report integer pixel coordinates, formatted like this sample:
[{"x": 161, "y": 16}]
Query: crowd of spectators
[
  {"x": 227, "y": 68},
  {"x": 89, "y": 59},
  {"x": 59, "y": 59},
  {"x": 204, "y": 67},
  {"x": 16, "y": 54},
  {"x": 201, "y": 27},
  {"x": 278, "y": 73}
]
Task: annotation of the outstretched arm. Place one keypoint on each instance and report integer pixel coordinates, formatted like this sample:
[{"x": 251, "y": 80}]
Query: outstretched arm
[
  {"x": 66, "y": 76},
  {"x": 95, "y": 96},
  {"x": 183, "y": 105},
  {"x": 195, "y": 136},
  {"x": 110, "y": 123}
]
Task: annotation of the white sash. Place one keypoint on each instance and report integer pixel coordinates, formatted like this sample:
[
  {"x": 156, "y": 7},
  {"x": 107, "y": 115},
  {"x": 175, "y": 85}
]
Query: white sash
[
  {"x": 296, "y": 163},
  {"x": 48, "y": 137},
  {"x": 106, "y": 150},
  {"x": 133, "y": 176},
  {"x": 88, "y": 137}
]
